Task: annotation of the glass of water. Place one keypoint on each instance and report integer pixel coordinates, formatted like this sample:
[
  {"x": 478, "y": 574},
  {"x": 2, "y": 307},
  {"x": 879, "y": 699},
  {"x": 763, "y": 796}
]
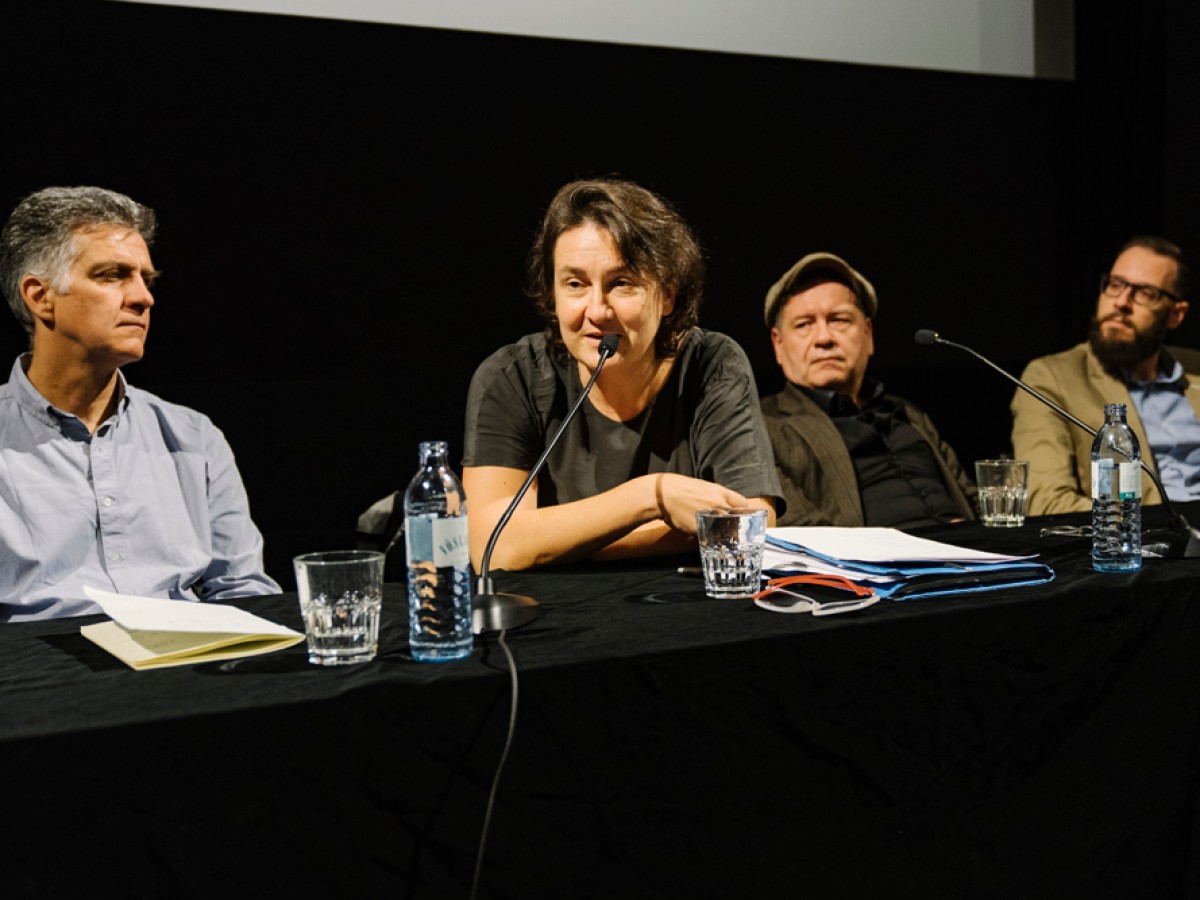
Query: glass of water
[
  {"x": 732, "y": 541},
  {"x": 341, "y": 592},
  {"x": 1003, "y": 491}
]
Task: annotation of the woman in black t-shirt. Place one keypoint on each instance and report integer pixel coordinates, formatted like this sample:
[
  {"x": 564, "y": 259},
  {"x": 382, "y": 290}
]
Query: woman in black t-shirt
[{"x": 672, "y": 424}]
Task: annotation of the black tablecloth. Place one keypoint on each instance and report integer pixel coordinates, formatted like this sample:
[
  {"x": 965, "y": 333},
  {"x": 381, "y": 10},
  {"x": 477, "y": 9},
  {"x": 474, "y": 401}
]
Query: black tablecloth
[{"x": 1038, "y": 742}]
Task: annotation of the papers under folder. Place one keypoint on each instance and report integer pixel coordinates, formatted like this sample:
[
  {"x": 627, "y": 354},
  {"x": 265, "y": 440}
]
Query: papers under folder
[
  {"x": 896, "y": 565},
  {"x": 149, "y": 633}
]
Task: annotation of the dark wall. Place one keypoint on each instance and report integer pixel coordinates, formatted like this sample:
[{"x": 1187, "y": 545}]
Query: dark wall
[{"x": 346, "y": 208}]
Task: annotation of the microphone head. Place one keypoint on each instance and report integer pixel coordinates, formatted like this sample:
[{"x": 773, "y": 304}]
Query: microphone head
[
  {"x": 608, "y": 344},
  {"x": 926, "y": 336}
]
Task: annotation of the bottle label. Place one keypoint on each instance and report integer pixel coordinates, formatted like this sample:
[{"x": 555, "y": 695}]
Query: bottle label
[
  {"x": 418, "y": 538},
  {"x": 1113, "y": 481},
  {"x": 440, "y": 540},
  {"x": 1102, "y": 479},
  {"x": 451, "y": 546},
  {"x": 1130, "y": 487}
]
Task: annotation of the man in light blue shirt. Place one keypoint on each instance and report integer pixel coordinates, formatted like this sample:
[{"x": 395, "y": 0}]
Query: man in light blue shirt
[
  {"x": 100, "y": 483},
  {"x": 1125, "y": 360}
]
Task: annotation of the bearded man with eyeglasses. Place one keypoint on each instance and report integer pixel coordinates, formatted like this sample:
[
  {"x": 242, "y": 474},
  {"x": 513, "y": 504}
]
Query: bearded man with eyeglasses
[{"x": 1123, "y": 361}]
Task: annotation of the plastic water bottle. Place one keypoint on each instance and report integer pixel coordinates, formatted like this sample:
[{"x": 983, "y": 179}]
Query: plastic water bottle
[
  {"x": 439, "y": 560},
  {"x": 1116, "y": 495}
]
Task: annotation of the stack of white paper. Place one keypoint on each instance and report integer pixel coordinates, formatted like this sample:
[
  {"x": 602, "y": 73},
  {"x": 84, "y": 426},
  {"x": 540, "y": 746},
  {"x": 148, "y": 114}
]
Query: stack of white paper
[{"x": 896, "y": 564}]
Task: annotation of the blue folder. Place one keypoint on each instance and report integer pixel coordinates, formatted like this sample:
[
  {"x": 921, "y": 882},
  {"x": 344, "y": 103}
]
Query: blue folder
[{"x": 911, "y": 580}]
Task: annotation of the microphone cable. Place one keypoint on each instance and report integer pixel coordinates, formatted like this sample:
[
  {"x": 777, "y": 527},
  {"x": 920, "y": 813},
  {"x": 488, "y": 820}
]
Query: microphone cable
[
  {"x": 512, "y": 725},
  {"x": 608, "y": 346}
]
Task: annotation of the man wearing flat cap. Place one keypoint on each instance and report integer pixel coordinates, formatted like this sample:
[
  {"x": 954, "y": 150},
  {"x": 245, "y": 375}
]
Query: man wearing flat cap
[{"x": 847, "y": 452}]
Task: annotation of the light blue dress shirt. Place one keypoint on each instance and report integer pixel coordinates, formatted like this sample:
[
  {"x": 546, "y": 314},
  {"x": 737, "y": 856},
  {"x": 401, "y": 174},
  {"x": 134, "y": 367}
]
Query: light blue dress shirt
[
  {"x": 152, "y": 504},
  {"x": 1172, "y": 429}
]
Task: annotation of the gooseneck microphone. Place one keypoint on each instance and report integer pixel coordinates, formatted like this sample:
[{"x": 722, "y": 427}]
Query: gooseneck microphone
[
  {"x": 1181, "y": 541},
  {"x": 491, "y": 611}
]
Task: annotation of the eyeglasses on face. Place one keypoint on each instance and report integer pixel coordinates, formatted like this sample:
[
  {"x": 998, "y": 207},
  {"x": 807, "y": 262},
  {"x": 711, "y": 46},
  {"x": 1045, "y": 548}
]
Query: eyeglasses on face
[
  {"x": 1142, "y": 294},
  {"x": 796, "y": 602}
]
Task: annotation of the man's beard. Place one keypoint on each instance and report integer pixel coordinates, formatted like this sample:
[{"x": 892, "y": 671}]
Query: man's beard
[{"x": 1118, "y": 356}]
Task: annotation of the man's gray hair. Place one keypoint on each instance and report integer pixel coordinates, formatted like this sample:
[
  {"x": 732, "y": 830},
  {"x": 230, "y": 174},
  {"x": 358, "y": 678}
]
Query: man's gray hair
[{"x": 39, "y": 237}]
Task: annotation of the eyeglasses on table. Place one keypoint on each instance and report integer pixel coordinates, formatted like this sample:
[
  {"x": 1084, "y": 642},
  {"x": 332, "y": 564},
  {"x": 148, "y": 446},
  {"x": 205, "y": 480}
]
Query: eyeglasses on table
[{"x": 777, "y": 597}]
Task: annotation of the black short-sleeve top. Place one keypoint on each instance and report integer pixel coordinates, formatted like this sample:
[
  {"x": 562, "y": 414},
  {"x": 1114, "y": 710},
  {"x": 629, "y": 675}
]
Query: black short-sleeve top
[{"x": 705, "y": 422}]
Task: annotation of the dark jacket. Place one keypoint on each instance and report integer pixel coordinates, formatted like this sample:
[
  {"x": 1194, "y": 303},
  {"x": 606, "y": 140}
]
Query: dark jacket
[{"x": 815, "y": 469}]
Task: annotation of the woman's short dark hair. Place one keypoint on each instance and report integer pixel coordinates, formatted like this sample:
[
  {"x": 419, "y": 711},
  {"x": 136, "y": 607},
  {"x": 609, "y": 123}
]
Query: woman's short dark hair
[{"x": 651, "y": 237}]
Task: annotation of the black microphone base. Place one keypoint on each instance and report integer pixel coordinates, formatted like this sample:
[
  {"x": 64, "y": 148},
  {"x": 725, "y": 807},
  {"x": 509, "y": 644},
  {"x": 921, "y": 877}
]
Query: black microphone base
[
  {"x": 502, "y": 612},
  {"x": 1172, "y": 543}
]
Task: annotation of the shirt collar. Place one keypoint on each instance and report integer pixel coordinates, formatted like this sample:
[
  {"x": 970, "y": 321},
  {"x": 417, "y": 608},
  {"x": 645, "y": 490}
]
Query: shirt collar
[
  {"x": 1170, "y": 373},
  {"x": 33, "y": 403},
  {"x": 834, "y": 404}
]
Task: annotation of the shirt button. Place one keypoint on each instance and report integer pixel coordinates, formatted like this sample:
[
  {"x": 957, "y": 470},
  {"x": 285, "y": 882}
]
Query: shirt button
[
  {"x": 115, "y": 557},
  {"x": 108, "y": 501}
]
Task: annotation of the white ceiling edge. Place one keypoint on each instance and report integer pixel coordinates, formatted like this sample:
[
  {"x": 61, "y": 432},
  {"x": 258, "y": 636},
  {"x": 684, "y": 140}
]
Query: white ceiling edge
[{"x": 981, "y": 36}]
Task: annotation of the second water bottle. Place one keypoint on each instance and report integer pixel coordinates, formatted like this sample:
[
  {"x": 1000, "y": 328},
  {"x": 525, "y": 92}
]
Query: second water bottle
[
  {"x": 439, "y": 560},
  {"x": 1116, "y": 495}
]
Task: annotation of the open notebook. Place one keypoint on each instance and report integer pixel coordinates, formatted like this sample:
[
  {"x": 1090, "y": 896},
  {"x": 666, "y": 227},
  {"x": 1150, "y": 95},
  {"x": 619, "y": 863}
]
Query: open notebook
[{"x": 149, "y": 633}]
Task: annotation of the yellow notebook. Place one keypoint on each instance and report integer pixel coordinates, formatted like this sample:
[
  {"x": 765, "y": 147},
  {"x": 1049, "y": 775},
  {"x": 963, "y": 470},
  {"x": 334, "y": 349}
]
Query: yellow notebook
[{"x": 150, "y": 633}]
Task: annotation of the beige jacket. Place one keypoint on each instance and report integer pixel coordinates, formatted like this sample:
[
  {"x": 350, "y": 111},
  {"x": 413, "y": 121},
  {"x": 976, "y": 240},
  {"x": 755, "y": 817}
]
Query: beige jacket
[{"x": 1059, "y": 453}]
